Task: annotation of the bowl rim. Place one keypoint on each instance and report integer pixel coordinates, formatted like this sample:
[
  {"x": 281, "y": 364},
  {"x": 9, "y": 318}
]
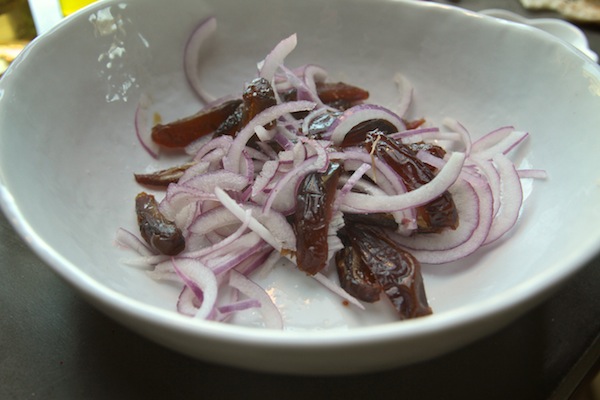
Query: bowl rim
[
  {"x": 397, "y": 330},
  {"x": 518, "y": 295}
]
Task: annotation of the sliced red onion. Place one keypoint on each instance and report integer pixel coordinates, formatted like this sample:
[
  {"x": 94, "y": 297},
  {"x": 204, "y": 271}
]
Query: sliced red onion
[
  {"x": 282, "y": 139},
  {"x": 381, "y": 173},
  {"x": 265, "y": 177},
  {"x": 232, "y": 161},
  {"x": 263, "y": 260},
  {"x": 256, "y": 226},
  {"x": 271, "y": 315},
  {"x": 163, "y": 271},
  {"x": 313, "y": 74},
  {"x": 145, "y": 262},
  {"x": 486, "y": 167},
  {"x": 492, "y": 138},
  {"x": 363, "y": 203},
  {"x": 388, "y": 183},
  {"x": 198, "y": 168},
  {"x": 474, "y": 240},
  {"x": 334, "y": 243},
  {"x": 532, "y": 173},
  {"x": 263, "y": 134},
  {"x": 142, "y": 128},
  {"x": 201, "y": 280},
  {"x": 292, "y": 178},
  {"x": 263, "y": 263},
  {"x": 207, "y": 182},
  {"x": 430, "y": 159},
  {"x": 463, "y": 133},
  {"x": 506, "y": 144},
  {"x": 467, "y": 204},
  {"x": 351, "y": 182},
  {"x": 360, "y": 113},
  {"x": 204, "y": 148},
  {"x": 223, "y": 243},
  {"x": 220, "y": 217},
  {"x": 241, "y": 305},
  {"x": 128, "y": 239},
  {"x": 431, "y": 135},
  {"x": 419, "y": 133},
  {"x": 213, "y": 220},
  {"x": 187, "y": 302},
  {"x": 277, "y": 56},
  {"x": 406, "y": 93},
  {"x": 511, "y": 198},
  {"x": 195, "y": 42},
  {"x": 232, "y": 204},
  {"x": 198, "y": 188},
  {"x": 277, "y": 224},
  {"x": 406, "y": 219},
  {"x": 249, "y": 245},
  {"x": 303, "y": 91},
  {"x": 179, "y": 197}
]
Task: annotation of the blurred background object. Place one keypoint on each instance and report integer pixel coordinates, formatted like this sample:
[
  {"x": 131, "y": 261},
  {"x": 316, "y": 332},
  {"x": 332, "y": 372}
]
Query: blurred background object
[
  {"x": 22, "y": 20},
  {"x": 16, "y": 30},
  {"x": 70, "y": 6}
]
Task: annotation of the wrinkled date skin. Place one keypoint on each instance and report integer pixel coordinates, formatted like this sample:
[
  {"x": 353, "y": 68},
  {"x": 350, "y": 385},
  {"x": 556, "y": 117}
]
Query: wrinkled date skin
[
  {"x": 433, "y": 217},
  {"x": 338, "y": 95},
  {"x": 163, "y": 177},
  {"x": 361, "y": 132},
  {"x": 397, "y": 271},
  {"x": 257, "y": 97},
  {"x": 355, "y": 276},
  {"x": 313, "y": 214},
  {"x": 160, "y": 233},
  {"x": 231, "y": 116},
  {"x": 182, "y": 132}
]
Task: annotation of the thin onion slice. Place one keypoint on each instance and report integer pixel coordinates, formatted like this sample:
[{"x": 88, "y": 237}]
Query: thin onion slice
[
  {"x": 475, "y": 239},
  {"x": 510, "y": 197},
  {"x": 232, "y": 161},
  {"x": 195, "y": 42},
  {"x": 142, "y": 129},
  {"x": 406, "y": 90},
  {"x": 467, "y": 204},
  {"x": 364, "y": 203},
  {"x": 276, "y": 57},
  {"x": 202, "y": 282},
  {"x": 271, "y": 315},
  {"x": 360, "y": 113}
]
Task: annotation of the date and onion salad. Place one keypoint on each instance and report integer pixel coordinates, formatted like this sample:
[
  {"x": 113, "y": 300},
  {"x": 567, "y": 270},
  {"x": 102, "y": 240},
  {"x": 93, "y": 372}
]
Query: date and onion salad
[{"x": 303, "y": 168}]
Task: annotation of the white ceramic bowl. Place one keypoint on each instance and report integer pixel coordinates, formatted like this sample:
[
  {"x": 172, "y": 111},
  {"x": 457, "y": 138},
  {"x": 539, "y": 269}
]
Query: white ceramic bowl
[{"x": 68, "y": 151}]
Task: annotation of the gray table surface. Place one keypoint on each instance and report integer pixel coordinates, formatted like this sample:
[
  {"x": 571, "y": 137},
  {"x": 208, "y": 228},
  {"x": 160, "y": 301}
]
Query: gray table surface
[{"x": 53, "y": 345}]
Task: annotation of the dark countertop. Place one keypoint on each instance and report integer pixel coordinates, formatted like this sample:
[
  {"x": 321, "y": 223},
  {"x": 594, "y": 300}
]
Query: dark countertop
[{"x": 53, "y": 345}]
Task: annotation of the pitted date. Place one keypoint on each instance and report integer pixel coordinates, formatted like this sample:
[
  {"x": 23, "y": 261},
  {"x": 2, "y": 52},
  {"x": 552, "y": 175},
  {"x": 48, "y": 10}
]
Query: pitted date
[
  {"x": 182, "y": 132},
  {"x": 432, "y": 217},
  {"x": 313, "y": 214},
  {"x": 160, "y": 233},
  {"x": 355, "y": 276},
  {"x": 397, "y": 271},
  {"x": 163, "y": 177}
]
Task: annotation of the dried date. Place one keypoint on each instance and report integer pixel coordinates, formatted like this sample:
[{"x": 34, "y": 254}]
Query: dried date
[
  {"x": 311, "y": 220},
  {"x": 160, "y": 233},
  {"x": 396, "y": 270}
]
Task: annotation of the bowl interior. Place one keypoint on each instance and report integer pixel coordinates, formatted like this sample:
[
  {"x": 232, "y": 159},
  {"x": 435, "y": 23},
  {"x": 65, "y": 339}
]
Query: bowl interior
[{"x": 68, "y": 148}]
